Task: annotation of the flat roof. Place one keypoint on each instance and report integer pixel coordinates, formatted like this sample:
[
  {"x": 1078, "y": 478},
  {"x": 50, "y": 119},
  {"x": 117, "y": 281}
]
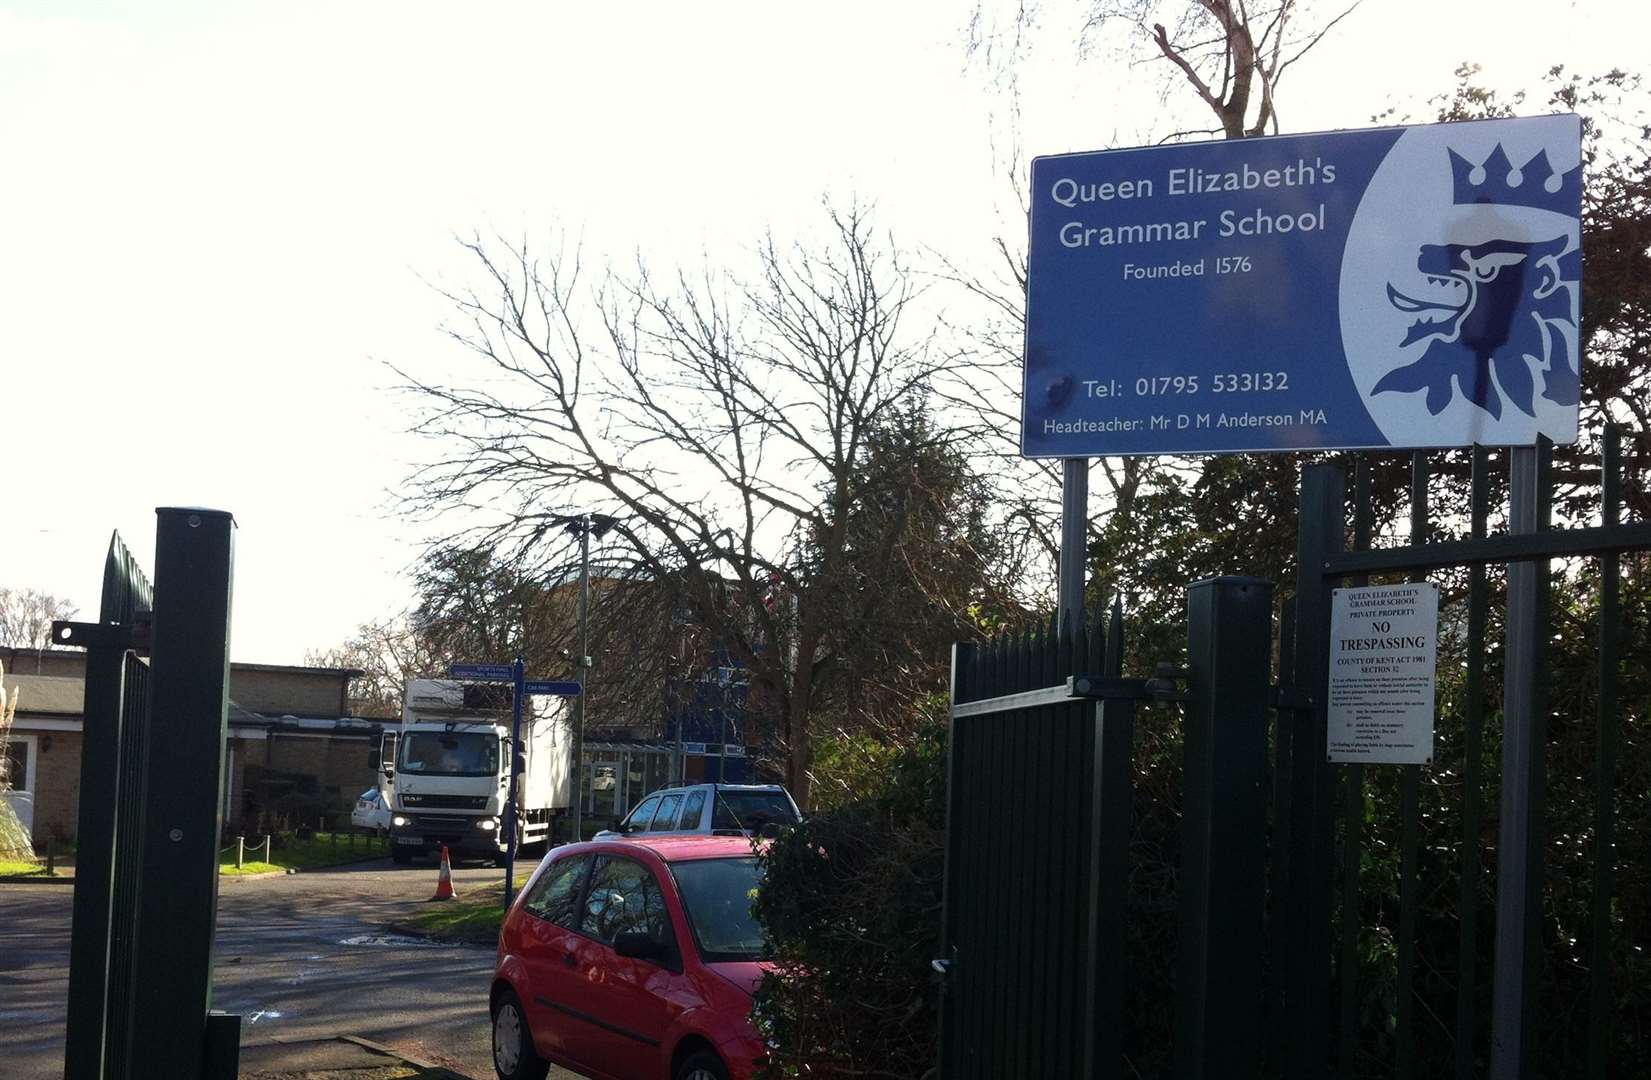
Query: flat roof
[
  {"x": 51, "y": 695},
  {"x": 303, "y": 668}
]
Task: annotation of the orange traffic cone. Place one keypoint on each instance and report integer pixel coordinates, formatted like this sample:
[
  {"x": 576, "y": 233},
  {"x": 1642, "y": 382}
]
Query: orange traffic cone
[{"x": 444, "y": 883}]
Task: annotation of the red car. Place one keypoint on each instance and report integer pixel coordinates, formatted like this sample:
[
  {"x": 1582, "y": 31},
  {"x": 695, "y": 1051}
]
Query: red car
[{"x": 632, "y": 960}]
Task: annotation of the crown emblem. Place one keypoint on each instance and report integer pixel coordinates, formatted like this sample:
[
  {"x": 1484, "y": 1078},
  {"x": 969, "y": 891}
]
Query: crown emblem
[{"x": 1534, "y": 183}]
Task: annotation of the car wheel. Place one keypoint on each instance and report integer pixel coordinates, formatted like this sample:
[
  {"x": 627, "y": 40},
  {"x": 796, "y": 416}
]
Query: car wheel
[
  {"x": 513, "y": 1055},
  {"x": 702, "y": 1066}
]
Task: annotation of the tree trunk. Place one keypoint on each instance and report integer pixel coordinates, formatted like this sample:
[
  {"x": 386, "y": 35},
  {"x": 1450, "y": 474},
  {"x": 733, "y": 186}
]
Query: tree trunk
[{"x": 799, "y": 745}]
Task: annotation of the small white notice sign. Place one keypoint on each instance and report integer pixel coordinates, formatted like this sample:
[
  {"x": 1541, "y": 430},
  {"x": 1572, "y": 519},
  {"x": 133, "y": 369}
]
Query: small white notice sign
[{"x": 1383, "y": 655}]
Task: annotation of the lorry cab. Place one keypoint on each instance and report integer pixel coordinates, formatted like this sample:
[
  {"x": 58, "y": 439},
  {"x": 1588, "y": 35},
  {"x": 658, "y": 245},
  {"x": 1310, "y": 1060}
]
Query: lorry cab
[{"x": 450, "y": 771}]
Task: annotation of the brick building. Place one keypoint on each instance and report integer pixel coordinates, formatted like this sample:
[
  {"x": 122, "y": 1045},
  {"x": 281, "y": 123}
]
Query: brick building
[{"x": 294, "y": 752}]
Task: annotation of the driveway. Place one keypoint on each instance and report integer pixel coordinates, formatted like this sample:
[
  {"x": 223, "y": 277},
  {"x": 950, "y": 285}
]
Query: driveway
[{"x": 299, "y": 956}]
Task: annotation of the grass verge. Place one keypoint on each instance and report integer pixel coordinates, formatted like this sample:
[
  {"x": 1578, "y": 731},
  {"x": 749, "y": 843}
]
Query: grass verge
[
  {"x": 306, "y": 853},
  {"x": 21, "y": 868},
  {"x": 474, "y": 917},
  {"x": 248, "y": 867}
]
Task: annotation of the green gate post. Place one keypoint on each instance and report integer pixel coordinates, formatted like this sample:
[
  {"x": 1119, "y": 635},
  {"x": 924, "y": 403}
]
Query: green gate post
[
  {"x": 108, "y": 729},
  {"x": 171, "y": 1036},
  {"x": 1305, "y": 910},
  {"x": 1224, "y": 829}
]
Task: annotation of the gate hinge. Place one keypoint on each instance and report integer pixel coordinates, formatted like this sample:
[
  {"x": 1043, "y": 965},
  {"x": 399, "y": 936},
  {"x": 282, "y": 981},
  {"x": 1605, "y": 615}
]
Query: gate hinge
[
  {"x": 1105, "y": 686},
  {"x": 1165, "y": 682},
  {"x": 135, "y": 635},
  {"x": 1291, "y": 699}
]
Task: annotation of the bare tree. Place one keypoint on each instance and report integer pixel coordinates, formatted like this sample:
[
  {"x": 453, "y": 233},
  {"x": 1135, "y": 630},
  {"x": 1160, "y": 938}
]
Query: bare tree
[
  {"x": 26, "y": 617},
  {"x": 1233, "y": 53},
  {"x": 387, "y": 653},
  {"x": 719, "y": 420}
]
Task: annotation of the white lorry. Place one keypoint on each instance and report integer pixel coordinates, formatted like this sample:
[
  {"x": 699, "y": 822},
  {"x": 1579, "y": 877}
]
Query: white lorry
[{"x": 449, "y": 769}]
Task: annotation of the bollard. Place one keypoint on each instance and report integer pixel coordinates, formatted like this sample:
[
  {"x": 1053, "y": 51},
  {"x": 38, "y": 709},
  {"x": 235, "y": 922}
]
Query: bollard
[
  {"x": 240, "y": 850},
  {"x": 51, "y": 856},
  {"x": 333, "y": 836},
  {"x": 269, "y": 841}
]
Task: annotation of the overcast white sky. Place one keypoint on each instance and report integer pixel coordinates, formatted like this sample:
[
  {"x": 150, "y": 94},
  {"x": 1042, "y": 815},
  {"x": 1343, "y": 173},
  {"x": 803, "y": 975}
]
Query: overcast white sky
[{"x": 215, "y": 217}]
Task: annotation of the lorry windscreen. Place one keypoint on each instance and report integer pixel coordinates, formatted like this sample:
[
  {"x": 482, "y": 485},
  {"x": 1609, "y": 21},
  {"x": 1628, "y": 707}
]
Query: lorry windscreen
[{"x": 450, "y": 753}]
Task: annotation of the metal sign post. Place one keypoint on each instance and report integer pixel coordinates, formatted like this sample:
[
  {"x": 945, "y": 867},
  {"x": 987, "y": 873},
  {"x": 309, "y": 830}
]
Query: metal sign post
[
  {"x": 514, "y": 674},
  {"x": 1074, "y": 541}
]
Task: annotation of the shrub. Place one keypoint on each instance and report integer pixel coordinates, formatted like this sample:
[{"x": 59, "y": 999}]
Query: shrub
[{"x": 851, "y": 901}]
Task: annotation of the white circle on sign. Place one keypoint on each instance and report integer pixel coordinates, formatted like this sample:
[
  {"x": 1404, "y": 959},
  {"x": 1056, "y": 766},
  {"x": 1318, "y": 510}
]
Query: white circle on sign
[{"x": 1442, "y": 302}]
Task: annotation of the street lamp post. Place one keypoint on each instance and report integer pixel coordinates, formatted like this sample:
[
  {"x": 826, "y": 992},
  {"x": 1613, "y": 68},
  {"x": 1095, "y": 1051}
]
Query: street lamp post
[{"x": 582, "y": 526}]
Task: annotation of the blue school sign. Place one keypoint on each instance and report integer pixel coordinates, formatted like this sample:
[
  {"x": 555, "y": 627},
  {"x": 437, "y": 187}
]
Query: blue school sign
[{"x": 1398, "y": 287}]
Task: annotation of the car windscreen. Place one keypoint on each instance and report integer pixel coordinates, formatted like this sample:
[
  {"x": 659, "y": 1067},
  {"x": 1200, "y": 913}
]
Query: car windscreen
[
  {"x": 751, "y": 810},
  {"x": 717, "y": 895},
  {"x": 450, "y": 753}
]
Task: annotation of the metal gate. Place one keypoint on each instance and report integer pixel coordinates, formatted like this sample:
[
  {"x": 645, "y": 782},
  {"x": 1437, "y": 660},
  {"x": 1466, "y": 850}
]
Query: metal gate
[
  {"x": 151, "y": 798},
  {"x": 1275, "y": 903},
  {"x": 1039, "y": 820},
  {"x": 1483, "y": 1010},
  {"x": 1028, "y": 869}
]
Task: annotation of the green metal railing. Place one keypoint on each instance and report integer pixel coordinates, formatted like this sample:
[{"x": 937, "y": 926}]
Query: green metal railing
[
  {"x": 1332, "y": 920},
  {"x": 1491, "y": 1010}
]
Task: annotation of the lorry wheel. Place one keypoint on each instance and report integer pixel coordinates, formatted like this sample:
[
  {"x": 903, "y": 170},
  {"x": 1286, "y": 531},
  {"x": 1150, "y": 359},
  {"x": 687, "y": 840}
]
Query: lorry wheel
[{"x": 514, "y": 1057}]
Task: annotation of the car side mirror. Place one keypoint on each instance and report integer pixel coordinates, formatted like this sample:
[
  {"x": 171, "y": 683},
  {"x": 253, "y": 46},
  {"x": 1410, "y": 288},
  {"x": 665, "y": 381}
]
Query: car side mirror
[{"x": 639, "y": 945}]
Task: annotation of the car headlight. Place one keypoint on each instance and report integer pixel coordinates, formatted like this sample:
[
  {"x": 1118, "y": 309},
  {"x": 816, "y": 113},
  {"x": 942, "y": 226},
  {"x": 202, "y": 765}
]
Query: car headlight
[
  {"x": 398, "y": 821},
  {"x": 487, "y": 824}
]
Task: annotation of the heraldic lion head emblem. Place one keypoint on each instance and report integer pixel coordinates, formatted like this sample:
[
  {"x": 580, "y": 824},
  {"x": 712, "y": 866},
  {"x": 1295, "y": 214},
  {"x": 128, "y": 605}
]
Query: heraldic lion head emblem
[{"x": 1498, "y": 317}]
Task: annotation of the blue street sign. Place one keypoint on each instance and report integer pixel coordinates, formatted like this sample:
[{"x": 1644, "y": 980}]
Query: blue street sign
[
  {"x": 1403, "y": 287},
  {"x": 482, "y": 672},
  {"x": 557, "y": 689}
]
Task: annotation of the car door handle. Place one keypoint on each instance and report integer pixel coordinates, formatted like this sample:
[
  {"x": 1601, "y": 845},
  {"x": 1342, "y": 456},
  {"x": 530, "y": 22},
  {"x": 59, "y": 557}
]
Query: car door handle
[{"x": 567, "y": 958}]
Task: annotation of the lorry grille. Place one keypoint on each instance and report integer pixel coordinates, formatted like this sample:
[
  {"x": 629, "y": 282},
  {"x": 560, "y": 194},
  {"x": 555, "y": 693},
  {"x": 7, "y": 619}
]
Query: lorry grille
[
  {"x": 435, "y": 824},
  {"x": 445, "y": 802}
]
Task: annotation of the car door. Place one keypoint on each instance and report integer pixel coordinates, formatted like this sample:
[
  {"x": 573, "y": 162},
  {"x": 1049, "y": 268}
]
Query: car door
[
  {"x": 641, "y": 817},
  {"x": 665, "y": 816},
  {"x": 693, "y": 812},
  {"x": 548, "y": 947},
  {"x": 631, "y": 1003}
]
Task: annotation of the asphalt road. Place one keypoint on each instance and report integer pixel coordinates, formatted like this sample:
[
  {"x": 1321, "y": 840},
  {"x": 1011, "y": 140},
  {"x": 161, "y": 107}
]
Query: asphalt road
[{"x": 298, "y": 956}]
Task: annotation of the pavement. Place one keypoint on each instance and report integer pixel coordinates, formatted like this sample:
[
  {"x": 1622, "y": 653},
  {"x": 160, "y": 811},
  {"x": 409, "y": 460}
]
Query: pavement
[{"x": 303, "y": 958}]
